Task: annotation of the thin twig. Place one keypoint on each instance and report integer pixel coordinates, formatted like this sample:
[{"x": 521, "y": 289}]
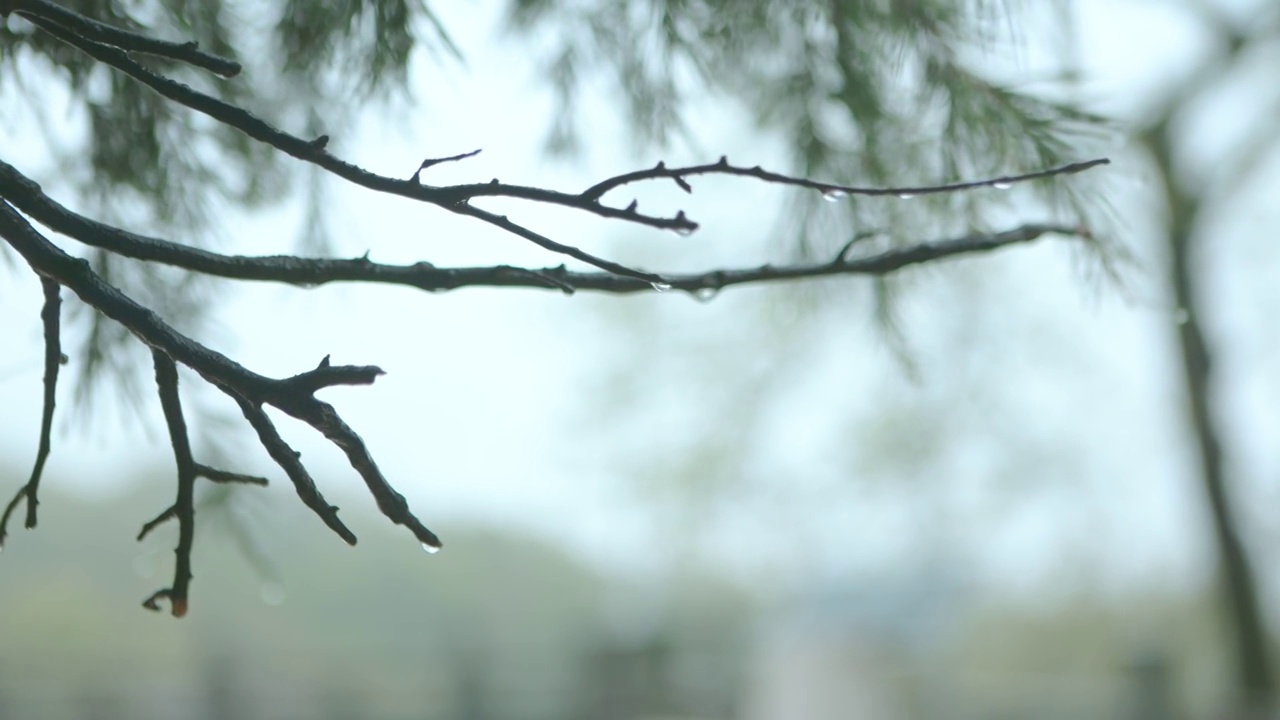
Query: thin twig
[
  {"x": 225, "y": 477},
  {"x": 249, "y": 389},
  {"x": 211, "y": 474},
  {"x": 50, "y": 316},
  {"x": 723, "y": 167},
  {"x": 290, "y": 461},
  {"x": 156, "y": 522},
  {"x": 311, "y": 151},
  {"x": 431, "y": 162},
  {"x": 187, "y": 52},
  {"x": 310, "y": 272},
  {"x": 184, "y": 505},
  {"x": 456, "y": 198},
  {"x": 502, "y": 221}
]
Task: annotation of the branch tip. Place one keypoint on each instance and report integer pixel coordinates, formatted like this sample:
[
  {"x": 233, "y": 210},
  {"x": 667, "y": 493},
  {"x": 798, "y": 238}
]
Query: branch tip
[{"x": 430, "y": 162}]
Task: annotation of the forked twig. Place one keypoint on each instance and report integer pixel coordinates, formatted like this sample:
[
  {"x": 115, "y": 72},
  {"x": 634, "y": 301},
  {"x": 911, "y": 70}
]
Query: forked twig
[
  {"x": 50, "y": 315},
  {"x": 296, "y": 395}
]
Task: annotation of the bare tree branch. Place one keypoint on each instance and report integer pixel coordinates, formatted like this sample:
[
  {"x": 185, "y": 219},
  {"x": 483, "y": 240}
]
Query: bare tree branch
[
  {"x": 309, "y": 272},
  {"x": 296, "y": 395},
  {"x": 53, "y": 359},
  {"x": 431, "y": 162},
  {"x": 187, "y": 52},
  {"x": 184, "y": 506},
  {"x": 457, "y": 198},
  {"x": 290, "y": 461},
  {"x": 723, "y": 167},
  {"x": 224, "y": 477},
  {"x": 293, "y": 395}
]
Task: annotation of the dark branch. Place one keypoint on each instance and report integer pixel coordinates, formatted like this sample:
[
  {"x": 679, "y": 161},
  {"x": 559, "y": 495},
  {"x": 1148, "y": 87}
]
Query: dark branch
[
  {"x": 290, "y": 461},
  {"x": 211, "y": 474},
  {"x": 50, "y": 316},
  {"x": 723, "y": 167},
  {"x": 223, "y": 476},
  {"x": 184, "y": 506},
  {"x": 26, "y": 194},
  {"x": 311, "y": 151},
  {"x": 503, "y": 222},
  {"x": 156, "y": 522},
  {"x": 295, "y": 395},
  {"x": 456, "y": 198},
  {"x": 326, "y": 375},
  {"x": 431, "y": 162},
  {"x": 248, "y": 388},
  {"x": 188, "y": 52},
  {"x": 321, "y": 416}
]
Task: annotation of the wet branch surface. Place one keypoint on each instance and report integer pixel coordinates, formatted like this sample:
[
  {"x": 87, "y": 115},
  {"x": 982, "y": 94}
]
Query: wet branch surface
[
  {"x": 293, "y": 395},
  {"x": 27, "y": 196},
  {"x": 51, "y": 316},
  {"x": 22, "y": 200},
  {"x": 457, "y": 198}
]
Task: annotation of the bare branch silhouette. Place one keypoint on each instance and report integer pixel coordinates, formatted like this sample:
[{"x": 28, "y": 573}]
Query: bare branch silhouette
[{"x": 22, "y": 201}]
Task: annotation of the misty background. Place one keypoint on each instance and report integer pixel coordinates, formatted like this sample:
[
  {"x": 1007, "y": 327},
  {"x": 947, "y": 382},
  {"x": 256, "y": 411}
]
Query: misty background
[{"x": 747, "y": 506}]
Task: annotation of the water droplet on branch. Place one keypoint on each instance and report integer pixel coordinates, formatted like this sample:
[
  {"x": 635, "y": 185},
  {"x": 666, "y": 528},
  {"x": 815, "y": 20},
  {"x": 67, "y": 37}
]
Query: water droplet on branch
[
  {"x": 833, "y": 195},
  {"x": 430, "y": 549},
  {"x": 905, "y": 196},
  {"x": 706, "y": 294},
  {"x": 660, "y": 286},
  {"x": 1001, "y": 185}
]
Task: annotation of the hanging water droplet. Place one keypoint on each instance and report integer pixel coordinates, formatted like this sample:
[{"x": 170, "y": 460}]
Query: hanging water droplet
[
  {"x": 273, "y": 594},
  {"x": 1001, "y": 185},
  {"x": 1181, "y": 316},
  {"x": 430, "y": 549},
  {"x": 833, "y": 195},
  {"x": 905, "y": 196},
  {"x": 706, "y": 294},
  {"x": 660, "y": 286},
  {"x": 683, "y": 231}
]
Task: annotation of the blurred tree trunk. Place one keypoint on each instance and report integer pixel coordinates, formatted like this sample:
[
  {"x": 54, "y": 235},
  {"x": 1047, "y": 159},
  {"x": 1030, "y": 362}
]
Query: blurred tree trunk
[{"x": 1186, "y": 199}]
